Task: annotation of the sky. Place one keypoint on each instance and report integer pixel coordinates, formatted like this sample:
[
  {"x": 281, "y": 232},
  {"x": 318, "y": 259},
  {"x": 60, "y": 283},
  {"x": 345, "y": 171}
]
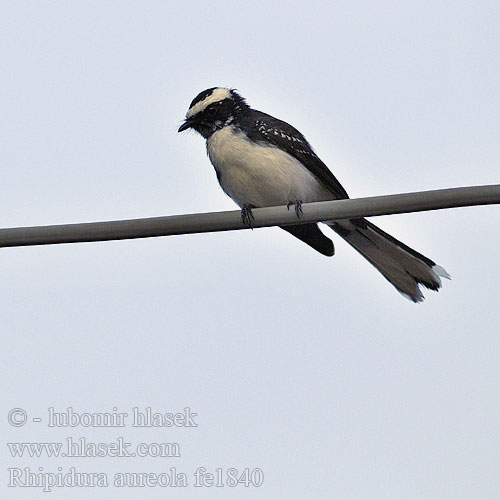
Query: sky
[{"x": 312, "y": 370}]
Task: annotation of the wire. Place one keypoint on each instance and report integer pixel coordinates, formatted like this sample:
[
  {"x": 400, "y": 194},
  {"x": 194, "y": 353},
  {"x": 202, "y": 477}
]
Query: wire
[{"x": 263, "y": 217}]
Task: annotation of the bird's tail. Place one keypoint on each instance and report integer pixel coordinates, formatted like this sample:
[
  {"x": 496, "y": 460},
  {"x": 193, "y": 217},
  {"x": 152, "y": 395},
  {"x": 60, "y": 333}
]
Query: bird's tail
[{"x": 405, "y": 268}]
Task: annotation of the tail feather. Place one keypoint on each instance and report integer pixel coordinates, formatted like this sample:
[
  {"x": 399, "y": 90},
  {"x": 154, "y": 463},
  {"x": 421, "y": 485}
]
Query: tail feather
[{"x": 402, "y": 266}]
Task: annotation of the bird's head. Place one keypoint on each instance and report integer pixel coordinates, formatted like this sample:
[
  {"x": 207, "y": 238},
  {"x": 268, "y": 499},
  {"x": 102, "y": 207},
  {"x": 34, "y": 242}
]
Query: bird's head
[{"x": 214, "y": 109}]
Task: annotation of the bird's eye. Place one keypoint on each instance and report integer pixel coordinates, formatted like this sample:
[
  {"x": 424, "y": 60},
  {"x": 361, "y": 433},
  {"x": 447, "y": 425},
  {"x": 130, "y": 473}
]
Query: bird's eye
[{"x": 212, "y": 110}]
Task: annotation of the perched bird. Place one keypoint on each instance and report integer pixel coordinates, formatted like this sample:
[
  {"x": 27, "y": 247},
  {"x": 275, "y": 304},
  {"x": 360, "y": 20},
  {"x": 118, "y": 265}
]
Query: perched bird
[{"x": 261, "y": 161}]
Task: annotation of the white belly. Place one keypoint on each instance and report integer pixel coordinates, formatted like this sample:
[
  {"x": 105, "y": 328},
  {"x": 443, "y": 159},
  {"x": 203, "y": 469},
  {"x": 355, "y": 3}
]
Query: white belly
[{"x": 260, "y": 175}]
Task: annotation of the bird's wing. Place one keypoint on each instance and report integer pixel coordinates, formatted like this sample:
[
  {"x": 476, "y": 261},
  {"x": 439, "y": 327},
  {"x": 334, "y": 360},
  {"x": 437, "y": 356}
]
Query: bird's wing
[
  {"x": 312, "y": 235},
  {"x": 263, "y": 127}
]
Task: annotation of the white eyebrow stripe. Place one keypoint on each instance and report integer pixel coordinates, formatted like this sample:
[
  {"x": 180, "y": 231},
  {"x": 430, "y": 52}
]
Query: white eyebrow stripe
[{"x": 218, "y": 94}]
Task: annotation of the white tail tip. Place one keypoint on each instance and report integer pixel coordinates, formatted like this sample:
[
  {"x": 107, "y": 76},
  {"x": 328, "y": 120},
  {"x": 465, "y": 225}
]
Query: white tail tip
[{"x": 441, "y": 271}]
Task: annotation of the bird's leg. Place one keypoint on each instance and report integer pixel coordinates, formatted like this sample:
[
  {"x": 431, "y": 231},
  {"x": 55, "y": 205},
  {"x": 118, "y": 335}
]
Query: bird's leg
[
  {"x": 298, "y": 207},
  {"x": 247, "y": 215}
]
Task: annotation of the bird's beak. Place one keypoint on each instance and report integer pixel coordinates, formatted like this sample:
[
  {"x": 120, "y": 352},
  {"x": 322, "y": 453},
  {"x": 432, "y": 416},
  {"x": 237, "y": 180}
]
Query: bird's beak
[{"x": 187, "y": 124}]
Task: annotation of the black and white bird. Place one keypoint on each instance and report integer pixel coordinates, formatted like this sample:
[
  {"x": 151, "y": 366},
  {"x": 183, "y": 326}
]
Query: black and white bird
[{"x": 261, "y": 161}]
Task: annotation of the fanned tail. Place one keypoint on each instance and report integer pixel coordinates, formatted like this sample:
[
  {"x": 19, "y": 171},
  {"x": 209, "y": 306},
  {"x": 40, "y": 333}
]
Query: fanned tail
[{"x": 404, "y": 267}]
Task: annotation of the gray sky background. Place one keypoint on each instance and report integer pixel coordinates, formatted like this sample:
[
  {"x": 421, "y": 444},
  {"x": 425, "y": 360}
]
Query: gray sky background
[{"x": 315, "y": 370}]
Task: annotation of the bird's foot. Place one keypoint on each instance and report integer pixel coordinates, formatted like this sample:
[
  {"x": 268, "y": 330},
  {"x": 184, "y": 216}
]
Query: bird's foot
[
  {"x": 247, "y": 215},
  {"x": 298, "y": 207}
]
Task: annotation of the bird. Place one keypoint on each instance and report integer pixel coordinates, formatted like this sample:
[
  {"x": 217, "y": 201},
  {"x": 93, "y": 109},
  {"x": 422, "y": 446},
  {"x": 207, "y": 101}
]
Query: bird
[{"x": 262, "y": 161}]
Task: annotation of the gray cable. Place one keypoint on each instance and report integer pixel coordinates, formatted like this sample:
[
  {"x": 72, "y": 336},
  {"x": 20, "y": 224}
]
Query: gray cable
[{"x": 264, "y": 217}]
